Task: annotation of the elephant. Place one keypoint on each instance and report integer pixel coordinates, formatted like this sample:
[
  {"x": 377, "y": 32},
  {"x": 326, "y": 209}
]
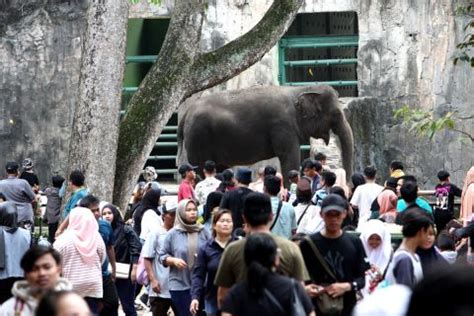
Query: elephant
[{"x": 242, "y": 127}]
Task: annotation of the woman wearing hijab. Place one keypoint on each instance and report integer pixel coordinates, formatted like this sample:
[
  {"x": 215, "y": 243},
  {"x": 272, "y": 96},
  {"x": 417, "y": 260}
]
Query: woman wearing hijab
[
  {"x": 14, "y": 242},
  {"x": 179, "y": 252},
  {"x": 387, "y": 201},
  {"x": 377, "y": 243},
  {"x": 467, "y": 197},
  {"x": 150, "y": 201},
  {"x": 127, "y": 251},
  {"x": 83, "y": 251}
]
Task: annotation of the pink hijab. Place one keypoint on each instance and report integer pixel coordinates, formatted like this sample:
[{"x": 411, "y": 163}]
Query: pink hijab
[
  {"x": 467, "y": 196},
  {"x": 387, "y": 201},
  {"x": 83, "y": 229}
]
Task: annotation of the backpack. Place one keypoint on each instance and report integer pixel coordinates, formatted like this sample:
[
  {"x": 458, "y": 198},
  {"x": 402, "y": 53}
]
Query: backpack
[{"x": 442, "y": 194}]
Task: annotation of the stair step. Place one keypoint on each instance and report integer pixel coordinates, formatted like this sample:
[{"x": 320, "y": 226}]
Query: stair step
[
  {"x": 162, "y": 157},
  {"x": 168, "y": 136},
  {"x": 166, "y": 144},
  {"x": 166, "y": 171}
]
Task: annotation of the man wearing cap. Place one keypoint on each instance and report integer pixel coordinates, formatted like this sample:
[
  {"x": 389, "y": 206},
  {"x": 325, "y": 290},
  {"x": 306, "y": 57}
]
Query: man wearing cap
[
  {"x": 19, "y": 192},
  {"x": 186, "y": 189},
  {"x": 158, "y": 289},
  {"x": 209, "y": 184},
  {"x": 234, "y": 200},
  {"x": 29, "y": 175},
  {"x": 343, "y": 255}
]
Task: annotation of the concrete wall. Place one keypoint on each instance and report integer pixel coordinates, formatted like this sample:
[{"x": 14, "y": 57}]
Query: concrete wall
[{"x": 40, "y": 52}]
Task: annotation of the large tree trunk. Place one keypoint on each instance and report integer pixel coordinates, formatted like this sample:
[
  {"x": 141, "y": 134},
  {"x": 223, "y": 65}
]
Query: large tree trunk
[
  {"x": 181, "y": 71},
  {"x": 93, "y": 144}
]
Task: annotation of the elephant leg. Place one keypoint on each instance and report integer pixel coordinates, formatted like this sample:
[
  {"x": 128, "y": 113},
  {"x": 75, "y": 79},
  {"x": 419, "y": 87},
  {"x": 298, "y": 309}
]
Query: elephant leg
[{"x": 290, "y": 159}]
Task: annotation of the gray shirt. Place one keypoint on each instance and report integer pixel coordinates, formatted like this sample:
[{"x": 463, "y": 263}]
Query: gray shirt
[
  {"x": 53, "y": 206},
  {"x": 176, "y": 245},
  {"x": 16, "y": 245},
  {"x": 19, "y": 192},
  {"x": 150, "y": 251}
]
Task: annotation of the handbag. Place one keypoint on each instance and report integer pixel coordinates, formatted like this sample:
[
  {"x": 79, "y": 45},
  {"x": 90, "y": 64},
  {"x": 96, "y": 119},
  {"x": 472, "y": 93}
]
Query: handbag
[
  {"x": 121, "y": 270},
  {"x": 142, "y": 276},
  {"x": 297, "y": 308},
  {"x": 326, "y": 303}
]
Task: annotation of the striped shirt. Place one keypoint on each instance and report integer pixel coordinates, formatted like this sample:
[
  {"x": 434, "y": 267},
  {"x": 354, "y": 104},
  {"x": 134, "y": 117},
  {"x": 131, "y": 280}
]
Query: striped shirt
[{"x": 86, "y": 279}]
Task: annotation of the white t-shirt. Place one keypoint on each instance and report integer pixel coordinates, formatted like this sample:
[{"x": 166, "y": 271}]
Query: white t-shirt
[
  {"x": 150, "y": 221},
  {"x": 363, "y": 198},
  {"x": 311, "y": 222}
]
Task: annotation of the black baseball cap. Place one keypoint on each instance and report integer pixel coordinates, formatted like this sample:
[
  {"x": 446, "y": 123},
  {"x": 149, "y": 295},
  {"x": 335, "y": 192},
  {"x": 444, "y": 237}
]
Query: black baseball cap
[
  {"x": 334, "y": 202},
  {"x": 12, "y": 166},
  {"x": 185, "y": 167}
]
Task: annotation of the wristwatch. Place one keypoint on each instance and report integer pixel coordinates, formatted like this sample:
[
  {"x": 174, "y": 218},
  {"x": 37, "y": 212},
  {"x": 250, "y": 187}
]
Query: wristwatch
[{"x": 354, "y": 286}]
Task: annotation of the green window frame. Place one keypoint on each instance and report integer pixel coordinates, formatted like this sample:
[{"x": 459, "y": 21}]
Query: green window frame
[{"x": 301, "y": 42}]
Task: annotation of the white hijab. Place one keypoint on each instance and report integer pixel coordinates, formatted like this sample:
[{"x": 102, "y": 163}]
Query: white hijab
[{"x": 379, "y": 256}]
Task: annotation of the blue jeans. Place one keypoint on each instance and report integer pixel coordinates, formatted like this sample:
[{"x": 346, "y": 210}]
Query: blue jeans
[
  {"x": 126, "y": 294},
  {"x": 181, "y": 300},
  {"x": 211, "y": 307}
]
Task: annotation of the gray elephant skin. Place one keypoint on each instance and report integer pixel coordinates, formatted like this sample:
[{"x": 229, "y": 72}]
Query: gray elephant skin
[{"x": 242, "y": 127}]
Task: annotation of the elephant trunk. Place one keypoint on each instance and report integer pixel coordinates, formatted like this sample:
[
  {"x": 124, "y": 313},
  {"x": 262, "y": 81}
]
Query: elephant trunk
[{"x": 344, "y": 131}]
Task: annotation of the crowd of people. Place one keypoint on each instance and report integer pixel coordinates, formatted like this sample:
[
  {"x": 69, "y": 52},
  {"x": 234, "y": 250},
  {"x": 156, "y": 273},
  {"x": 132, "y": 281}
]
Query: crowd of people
[{"x": 230, "y": 246}]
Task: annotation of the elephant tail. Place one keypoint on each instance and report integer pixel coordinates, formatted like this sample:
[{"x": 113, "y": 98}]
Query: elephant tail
[{"x": 181, "y": 156}]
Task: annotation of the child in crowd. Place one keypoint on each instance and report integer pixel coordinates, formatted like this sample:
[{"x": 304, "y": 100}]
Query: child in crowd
[
  {"x": 53, "y": 206},
  {"x": 447, "y": 246}
]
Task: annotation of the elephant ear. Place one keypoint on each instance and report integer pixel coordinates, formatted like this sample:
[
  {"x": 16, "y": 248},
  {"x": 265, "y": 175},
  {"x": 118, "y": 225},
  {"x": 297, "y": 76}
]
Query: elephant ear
[{"x": 308, "y": 104}]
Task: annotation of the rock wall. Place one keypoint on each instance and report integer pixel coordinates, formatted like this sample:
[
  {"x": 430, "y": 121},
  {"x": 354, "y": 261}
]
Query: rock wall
[
  {"x": 40, "y": 52},
  {"x": 405, "y": 50},
  {"x": 405, "y": 57}
]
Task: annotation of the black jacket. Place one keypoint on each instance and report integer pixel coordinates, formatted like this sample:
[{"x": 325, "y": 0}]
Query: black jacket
[{"x": 127, "y": 244}]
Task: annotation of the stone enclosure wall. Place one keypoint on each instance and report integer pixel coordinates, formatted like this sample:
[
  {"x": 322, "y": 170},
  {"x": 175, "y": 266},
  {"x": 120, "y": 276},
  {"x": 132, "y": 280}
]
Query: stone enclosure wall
[{"x": 404, "y": 57}]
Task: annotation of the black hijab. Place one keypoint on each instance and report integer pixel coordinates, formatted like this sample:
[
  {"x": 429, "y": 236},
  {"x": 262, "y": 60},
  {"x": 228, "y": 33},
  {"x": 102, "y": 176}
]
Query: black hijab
[
  {"x": 150, "y": 201},
  {"x": 118, "y": 220},
  {"x": 9, "y": 224}
]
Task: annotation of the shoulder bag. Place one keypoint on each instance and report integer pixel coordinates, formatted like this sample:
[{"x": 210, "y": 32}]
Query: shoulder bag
[
  {"x": 297, "y": 308},
  {"x": 326, "y": 303}
]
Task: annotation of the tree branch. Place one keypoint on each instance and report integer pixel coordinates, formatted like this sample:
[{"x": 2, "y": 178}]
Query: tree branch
[
  {"x": 217, "y": 66},
  {"x": 471, "y": 137}
]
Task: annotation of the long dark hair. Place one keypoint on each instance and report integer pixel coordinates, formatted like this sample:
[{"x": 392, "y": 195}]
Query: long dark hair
[
  {"x": 118, "y": 220},
  {"x": 260, "y": 253}
]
